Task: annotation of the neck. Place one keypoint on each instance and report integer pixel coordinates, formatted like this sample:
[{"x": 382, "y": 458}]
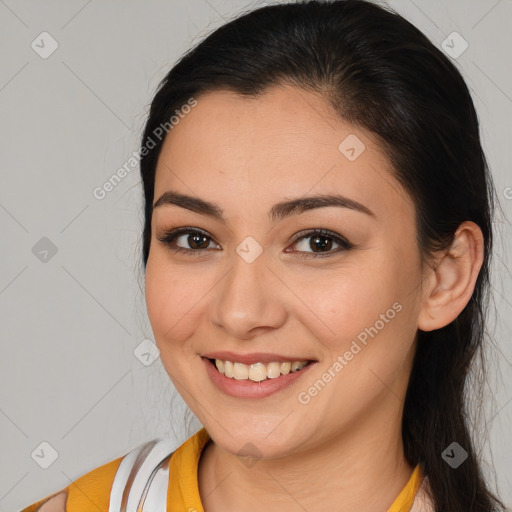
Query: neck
[{"x": 362, "y": 468}]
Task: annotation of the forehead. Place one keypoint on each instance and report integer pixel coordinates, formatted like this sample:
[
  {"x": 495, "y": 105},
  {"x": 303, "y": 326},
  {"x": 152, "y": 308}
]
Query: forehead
[{"x": 286, "y": 142}]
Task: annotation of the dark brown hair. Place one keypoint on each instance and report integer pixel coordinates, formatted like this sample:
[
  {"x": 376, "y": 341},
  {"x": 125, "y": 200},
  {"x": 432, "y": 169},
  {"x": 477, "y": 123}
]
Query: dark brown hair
[{"x": 381, "y": 73}]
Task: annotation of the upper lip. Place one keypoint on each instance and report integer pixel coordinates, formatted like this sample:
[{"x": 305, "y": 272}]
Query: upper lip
[{"x": 255, "y": 357}]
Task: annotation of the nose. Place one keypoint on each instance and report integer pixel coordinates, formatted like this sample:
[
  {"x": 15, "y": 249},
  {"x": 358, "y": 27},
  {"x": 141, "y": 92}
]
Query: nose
[{"x": 248, "y": 300}]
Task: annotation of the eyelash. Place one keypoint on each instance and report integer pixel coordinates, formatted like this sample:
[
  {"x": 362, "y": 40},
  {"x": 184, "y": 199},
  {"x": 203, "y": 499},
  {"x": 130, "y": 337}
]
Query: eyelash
[{"x": 169, "y": 236}]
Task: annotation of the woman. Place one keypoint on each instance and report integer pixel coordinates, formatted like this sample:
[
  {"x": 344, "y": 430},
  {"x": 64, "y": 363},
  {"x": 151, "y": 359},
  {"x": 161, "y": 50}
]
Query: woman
[{"x": 317, "y": 242}]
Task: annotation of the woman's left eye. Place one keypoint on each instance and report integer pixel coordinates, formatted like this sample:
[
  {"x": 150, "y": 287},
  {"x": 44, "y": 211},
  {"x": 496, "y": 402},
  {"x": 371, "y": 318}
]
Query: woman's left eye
[{"x": 320, "y": 240}]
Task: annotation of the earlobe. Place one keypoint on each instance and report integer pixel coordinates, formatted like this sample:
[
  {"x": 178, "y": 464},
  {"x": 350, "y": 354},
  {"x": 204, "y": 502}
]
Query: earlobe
[{"x": 452, "y": 281}]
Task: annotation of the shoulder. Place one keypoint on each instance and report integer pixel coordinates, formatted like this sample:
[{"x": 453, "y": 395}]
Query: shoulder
[
  {"x": 93, "y": 488},
  {"x": 53, "y": 503},
  {"x": 143, "y": 469},
  {"x": 423, "y": 501}
]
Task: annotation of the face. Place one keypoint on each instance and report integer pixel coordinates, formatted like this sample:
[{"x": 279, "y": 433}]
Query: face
[{"x": 334, "y": 283}]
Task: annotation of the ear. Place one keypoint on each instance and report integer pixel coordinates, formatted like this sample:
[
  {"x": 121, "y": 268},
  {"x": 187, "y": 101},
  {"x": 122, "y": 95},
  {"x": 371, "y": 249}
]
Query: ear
[{"x": 450, "y": 284}]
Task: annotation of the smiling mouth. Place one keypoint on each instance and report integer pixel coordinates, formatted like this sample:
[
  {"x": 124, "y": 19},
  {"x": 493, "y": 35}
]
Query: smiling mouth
[{"x": 257, "y": 372}]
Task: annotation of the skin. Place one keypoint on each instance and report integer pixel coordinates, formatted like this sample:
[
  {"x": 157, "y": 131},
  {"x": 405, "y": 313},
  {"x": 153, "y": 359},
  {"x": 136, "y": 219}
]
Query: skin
[{"x": 343, "y": 450}]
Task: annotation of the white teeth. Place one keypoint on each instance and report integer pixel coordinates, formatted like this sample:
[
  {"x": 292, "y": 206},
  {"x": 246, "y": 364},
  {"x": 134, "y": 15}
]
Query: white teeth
[
  {"x": 257, "y": 371},
  {"x": 286, "y": 367},
  {"x": 228, "y": 369},
  {"x": 297, "y": 365},
  {"x": 241, "y": 371},
  {"x": 273, "y": 370}
]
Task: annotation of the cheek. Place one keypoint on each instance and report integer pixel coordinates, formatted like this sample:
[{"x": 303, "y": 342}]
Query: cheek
[
  {"x": 349, "y": 299},
  {"x": 173, "y": 298},
  {"x": 154, "y": 294},
  {"x": 370, "y": 299}
]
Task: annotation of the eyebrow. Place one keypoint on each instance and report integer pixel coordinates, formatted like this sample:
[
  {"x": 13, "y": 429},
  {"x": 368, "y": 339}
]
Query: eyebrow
[{"x": 278, "y": 212}]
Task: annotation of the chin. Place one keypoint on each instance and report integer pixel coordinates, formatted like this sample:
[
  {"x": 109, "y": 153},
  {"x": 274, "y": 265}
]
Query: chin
[{"x": 254, "y": 441}]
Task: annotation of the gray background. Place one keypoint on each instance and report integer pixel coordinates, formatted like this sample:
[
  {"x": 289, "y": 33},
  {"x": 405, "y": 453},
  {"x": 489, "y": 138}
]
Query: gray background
[{"x": 71, "y": 322}]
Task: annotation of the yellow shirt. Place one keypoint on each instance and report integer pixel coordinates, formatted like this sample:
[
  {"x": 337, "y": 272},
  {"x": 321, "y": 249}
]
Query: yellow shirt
[{"x": 92, "y": 490}]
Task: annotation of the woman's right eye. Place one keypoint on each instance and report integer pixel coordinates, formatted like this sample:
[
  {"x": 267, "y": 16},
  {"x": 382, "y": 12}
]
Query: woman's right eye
[{"x": 191, "y": 237}]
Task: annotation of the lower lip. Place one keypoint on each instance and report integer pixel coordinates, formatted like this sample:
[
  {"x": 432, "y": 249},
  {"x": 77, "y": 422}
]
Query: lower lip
[{"x": 249, "y": 388}]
